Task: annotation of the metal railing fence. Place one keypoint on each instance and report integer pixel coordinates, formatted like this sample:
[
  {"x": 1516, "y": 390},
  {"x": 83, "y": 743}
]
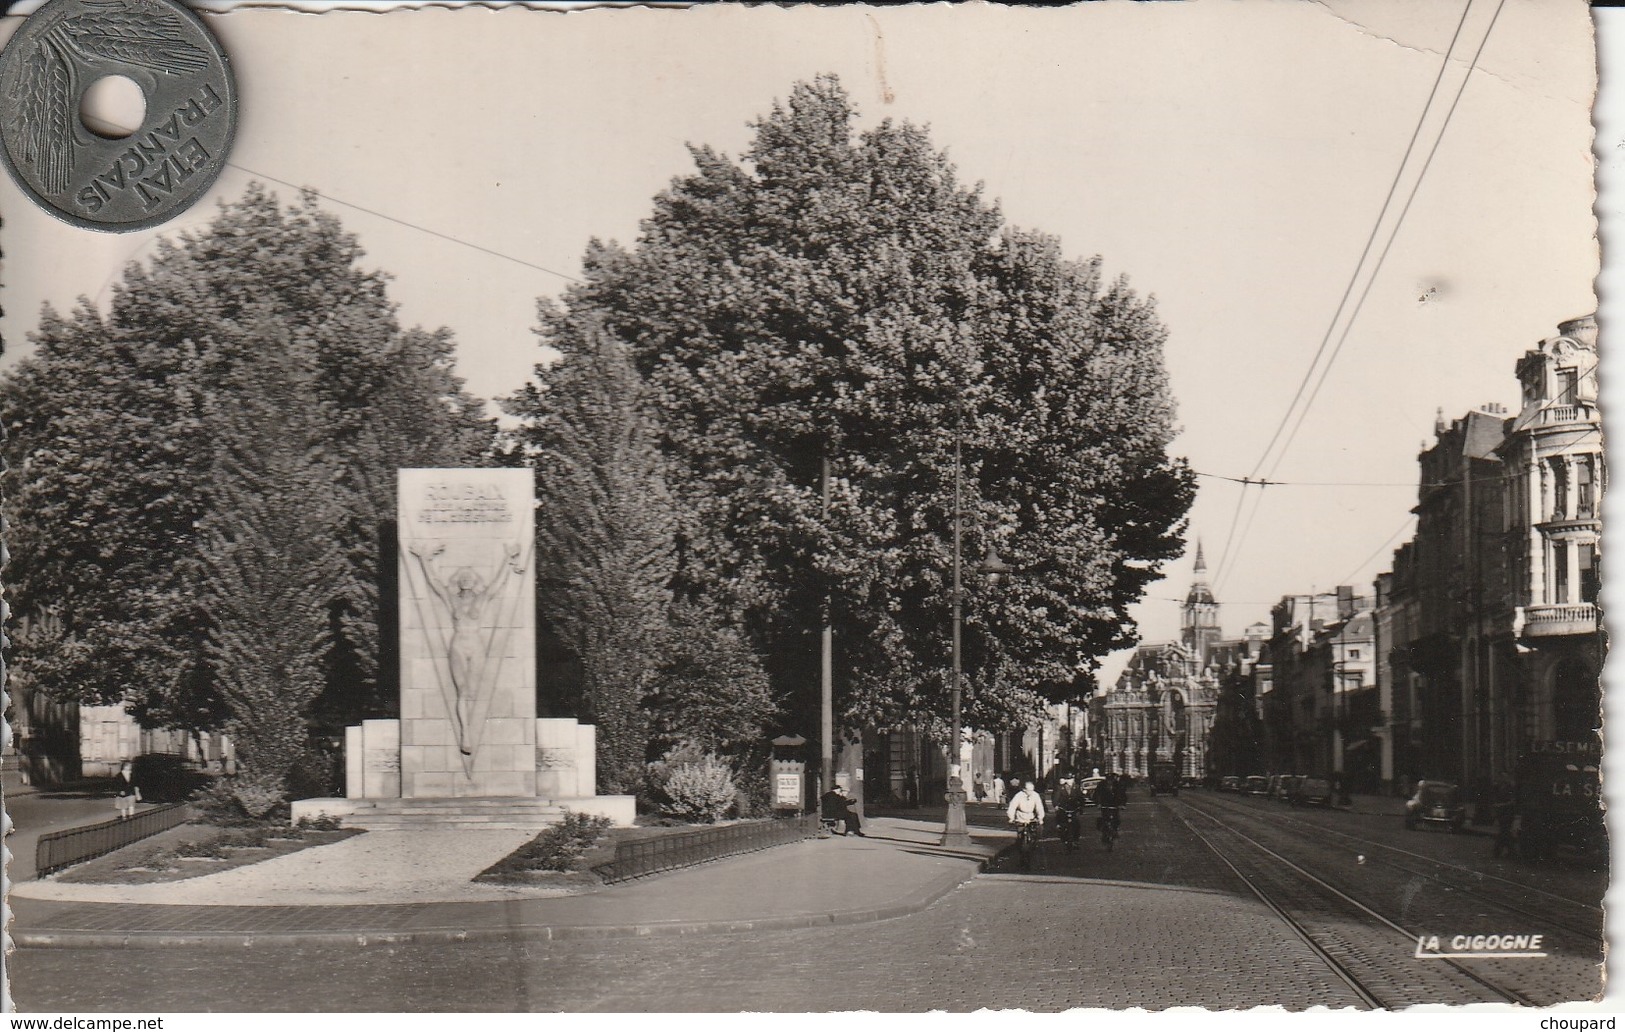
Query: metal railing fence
[
  {"x": 58, "y": 849},
  {"x": 685, "y": 849}
]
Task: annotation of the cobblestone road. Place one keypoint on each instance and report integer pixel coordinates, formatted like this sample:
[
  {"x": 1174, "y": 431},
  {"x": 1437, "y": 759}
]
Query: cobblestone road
[
  {"x": 1443, "y": 885},
  {"x": 1153, "y": 924}
]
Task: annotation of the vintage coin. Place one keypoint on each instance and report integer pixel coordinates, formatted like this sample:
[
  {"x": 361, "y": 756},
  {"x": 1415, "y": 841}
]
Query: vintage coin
[{"x": 115, "y": 178}]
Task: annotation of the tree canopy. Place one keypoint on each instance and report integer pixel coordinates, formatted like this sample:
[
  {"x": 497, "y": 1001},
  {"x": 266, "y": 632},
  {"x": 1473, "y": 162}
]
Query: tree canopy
[
  {"x": 839, "y": 295},
  {"x": 605, "y": 531},
  {"x": 214, "y": 455}
]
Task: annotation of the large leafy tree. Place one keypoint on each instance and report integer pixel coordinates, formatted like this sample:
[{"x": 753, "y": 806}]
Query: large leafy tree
[
  {"x": 708, "y": 690},
  {"x": 122, "y": 512},
  {"x": 605, "y": 530},
  {"x": 839, "y": 300},
  {"x": 270, "y": 563}
]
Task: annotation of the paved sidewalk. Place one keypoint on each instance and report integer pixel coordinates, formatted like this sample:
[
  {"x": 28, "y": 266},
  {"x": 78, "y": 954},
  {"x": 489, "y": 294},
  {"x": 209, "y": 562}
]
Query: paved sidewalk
[
  {"x": 898, "y": 869},
  {"x": 1390, "y": 806}
]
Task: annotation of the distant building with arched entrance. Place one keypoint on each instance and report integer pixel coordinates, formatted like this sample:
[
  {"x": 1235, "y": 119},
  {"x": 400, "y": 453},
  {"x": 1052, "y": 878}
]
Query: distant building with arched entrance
[{"x": 1162, "y": 706}]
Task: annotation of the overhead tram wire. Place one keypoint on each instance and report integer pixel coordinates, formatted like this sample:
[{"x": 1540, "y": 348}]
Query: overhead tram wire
[
  {"x": 1403, "y": 527},
  {"x": 1393, "y": 234},
  {"x": 409, "y": 225},
  {"x": 1348, "y": 289},
  {"x": 1371, "y": 280},
  {"x": 1371, "y": 238},
  {"x": 1241, "y": 539},
  {"x": 114, "y": 129},
  {"x": 1224, "y": 553}
]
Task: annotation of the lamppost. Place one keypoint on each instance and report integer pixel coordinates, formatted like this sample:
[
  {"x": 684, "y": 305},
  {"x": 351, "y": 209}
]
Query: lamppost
[
  {"x": 1340, "y": 732},
  {"x": 955, "y": 833}
]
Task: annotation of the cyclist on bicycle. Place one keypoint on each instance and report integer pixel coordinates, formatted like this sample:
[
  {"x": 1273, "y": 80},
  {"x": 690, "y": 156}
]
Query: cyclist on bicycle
[
  {"x": 1026, "y": 812},
  {"x": 1112, "y": 795},
  {"x": 1068, "y": 800},
  {"x": 1027, "y": 806}
]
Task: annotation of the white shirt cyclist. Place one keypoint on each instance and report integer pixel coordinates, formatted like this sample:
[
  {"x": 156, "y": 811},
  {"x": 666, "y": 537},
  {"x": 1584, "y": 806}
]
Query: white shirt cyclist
[{"x": 1026, "y": 806}]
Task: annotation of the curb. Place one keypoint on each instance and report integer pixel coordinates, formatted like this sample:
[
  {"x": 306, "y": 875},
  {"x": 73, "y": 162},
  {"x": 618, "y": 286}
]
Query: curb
[{"x": 933, "y": 891}]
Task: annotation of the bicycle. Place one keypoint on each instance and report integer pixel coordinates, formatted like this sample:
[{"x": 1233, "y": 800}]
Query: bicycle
[
  {"x": 1108, "y": 823},
  {"x": 1027, "y": 842},
  {"x": 1066, "y": 828}
]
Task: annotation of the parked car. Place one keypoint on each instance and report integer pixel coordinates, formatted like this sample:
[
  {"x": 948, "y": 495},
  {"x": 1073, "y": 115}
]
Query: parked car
[
  {"x": 1287, "y": 786},
  {"x": 1230, "y": 783},
  {"x": 1439, "y": 802},
  {"x": 1312, "y": 792},
  {"x": 164, "y": 778},
  {"x": 1257, "y": 785},
  {"x": 1087, "y": 786}
]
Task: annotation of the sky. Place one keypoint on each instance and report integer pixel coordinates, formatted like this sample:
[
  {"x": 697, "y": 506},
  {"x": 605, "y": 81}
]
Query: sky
[{"x": 1229, "y": 158}]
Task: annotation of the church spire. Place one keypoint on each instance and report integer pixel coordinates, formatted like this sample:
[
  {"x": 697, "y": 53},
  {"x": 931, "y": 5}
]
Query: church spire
[
  {"x": 1199, "y": 616},
  {"x": 1200, "y": 592}
]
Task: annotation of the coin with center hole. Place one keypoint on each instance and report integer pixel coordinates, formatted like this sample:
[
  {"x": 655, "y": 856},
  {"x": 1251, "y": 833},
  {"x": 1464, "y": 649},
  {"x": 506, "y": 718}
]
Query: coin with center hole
[{"x": 143, "y": 162}]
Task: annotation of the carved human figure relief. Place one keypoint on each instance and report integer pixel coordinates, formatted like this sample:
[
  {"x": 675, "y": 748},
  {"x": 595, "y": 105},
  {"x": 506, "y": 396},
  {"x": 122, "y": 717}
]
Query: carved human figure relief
[{"x": 464, "y": 595}]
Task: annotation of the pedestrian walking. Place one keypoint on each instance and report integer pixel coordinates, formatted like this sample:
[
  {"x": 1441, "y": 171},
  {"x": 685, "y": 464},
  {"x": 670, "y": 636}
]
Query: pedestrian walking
[
  {"x": 126, "y": 793},
  {"x": 979, "y": 789},
  {"x": 998, "y": 790},
  {"x": 1413, "y": 805},
  {"x": 1505, "y": 801}
]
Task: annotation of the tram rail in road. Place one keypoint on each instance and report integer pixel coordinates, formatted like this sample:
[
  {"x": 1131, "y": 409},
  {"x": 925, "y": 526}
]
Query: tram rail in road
[
  {"x": 1574, "y": 916},
  {"x": 1365, "y": 949}
]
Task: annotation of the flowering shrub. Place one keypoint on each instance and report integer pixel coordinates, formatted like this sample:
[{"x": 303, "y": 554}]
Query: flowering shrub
[
  {"x": 558, "y": 848},
  {"x": 701, "y": 792},
  {"x": 210, "y": 849}
]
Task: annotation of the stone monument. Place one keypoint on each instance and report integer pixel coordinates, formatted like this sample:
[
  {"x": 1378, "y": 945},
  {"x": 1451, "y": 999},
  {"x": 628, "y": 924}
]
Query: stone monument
[
  {"x": 468, "y": 747},
  {"x": 467, "y": 633}
]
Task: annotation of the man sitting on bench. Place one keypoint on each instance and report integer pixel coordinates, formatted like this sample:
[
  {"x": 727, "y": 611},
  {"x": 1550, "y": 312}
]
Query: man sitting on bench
[{"x": 837, "y": 806}]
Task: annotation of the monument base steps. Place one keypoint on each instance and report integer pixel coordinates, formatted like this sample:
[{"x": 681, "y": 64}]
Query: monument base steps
[
  {"x": 492, "y": 813},
  {"x": 522, "y": 813}
]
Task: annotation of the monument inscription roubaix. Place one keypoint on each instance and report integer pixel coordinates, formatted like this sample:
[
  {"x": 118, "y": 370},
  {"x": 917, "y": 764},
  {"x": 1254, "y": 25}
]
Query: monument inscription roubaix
[{"x": 467, "y": 627}]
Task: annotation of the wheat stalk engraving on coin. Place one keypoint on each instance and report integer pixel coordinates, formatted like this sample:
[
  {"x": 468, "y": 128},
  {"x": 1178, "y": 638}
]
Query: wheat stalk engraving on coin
[{"x": 117, "y": 180}]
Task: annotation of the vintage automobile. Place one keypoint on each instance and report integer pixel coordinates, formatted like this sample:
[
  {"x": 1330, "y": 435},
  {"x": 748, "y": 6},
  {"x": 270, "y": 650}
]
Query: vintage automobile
[
  {"x": 1164, "y": 777},
  {"x": 1311, "y": 792},
  {"x": 1230, "y": 783},
  {"x": 1087, "y": 787},
  {"x": 1256, "y": 785},
  {"x": 1286, "y": 786},
  {"x": 1438, "y": 802},
  {"x": 165, "y": 778}
]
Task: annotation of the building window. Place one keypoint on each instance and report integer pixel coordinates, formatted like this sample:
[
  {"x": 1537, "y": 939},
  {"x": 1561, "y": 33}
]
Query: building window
[
  {"x": 1583, "y": 494},
  {"x": 1568, "y": 380},
  {"x": 1354, "y": 653},
  {"x": 1590, "y": 575},
  {"x": 1560, "y": 491},
  {"x": 1560, "y": 572}
]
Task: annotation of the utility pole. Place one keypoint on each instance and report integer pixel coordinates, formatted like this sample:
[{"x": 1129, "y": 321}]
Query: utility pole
[
  {"x": 826, "y": 677},
  {"x": 955, "y": 833}
]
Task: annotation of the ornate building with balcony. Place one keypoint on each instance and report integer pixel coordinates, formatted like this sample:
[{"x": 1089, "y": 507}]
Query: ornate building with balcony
[
  {"x": 1487, "y": 627},
  {"x": 1554, "y": 462}
]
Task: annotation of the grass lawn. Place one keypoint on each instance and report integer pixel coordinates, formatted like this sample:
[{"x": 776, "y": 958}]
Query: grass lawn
[
  {"x": 192, "y": 850},
  {"x": 518, "y": 869}
]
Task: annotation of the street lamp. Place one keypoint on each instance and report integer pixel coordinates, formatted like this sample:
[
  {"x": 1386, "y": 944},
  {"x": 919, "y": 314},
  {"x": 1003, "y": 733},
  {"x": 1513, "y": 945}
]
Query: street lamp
[{"x": 955, "y": 833}]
